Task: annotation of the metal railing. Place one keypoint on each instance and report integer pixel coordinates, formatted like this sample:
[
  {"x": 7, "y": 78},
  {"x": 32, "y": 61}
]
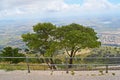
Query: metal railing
[{"x": 78, "y": 63}]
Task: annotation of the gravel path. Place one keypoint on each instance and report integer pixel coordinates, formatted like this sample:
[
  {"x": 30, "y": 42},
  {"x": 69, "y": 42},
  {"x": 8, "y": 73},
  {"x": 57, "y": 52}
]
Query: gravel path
[{"x": 58, "y": 75}]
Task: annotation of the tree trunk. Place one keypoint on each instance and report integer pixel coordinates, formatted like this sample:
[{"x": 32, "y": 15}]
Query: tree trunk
[
  {"x": 48, "y": 63},
  {"x": 70, "y": 62},
  {"x": 72, "y": 55},
  {"x": 71, "y": 58},
  {"x": 52, "y": 64}
]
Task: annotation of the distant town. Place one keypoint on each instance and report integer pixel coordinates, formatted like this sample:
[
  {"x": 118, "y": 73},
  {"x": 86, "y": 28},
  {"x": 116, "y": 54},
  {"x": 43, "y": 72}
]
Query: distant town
[{"x": 110, "y": 38}]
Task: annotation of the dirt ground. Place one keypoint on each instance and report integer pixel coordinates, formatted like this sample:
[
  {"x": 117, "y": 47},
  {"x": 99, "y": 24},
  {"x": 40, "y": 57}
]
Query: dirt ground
[{"x": 59, "y": 75}]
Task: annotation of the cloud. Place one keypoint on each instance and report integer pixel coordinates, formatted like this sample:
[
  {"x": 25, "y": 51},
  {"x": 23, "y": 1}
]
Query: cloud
[
  {"x": 32, "y": 7},
  {"x": 61, "y": 6},
  {"x": 46, "y": 7},
  {"x": 97, "y": 5}
]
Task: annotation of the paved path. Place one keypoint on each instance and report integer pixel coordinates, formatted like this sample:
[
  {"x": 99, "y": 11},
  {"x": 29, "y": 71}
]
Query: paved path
[{"x": 58, "y": 75}]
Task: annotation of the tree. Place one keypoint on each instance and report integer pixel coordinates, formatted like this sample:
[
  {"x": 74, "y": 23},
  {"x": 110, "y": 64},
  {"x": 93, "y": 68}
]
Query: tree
[
  {"x": 12, "y": 52},
  {"x": 75, "y": 37},
  {"x": 47, "y": 39},
  {"x": 42, "y": 40}
]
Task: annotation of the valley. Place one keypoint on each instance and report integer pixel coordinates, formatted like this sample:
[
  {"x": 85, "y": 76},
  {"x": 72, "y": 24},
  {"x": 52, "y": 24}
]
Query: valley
[{"x": 108, "y": 29}]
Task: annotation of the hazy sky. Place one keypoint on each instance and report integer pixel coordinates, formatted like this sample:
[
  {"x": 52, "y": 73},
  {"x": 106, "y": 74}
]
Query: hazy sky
[{"x": 23, "y": 9}]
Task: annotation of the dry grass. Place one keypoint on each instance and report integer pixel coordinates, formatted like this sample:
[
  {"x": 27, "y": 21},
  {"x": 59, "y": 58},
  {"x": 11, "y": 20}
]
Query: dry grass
[{"x": 22, "y": 66}]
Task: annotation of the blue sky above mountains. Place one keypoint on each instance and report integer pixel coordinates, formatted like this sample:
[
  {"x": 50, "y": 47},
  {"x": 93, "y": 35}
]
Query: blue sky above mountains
[
  {"x": 81, "y": 1},
  {"x": 30, "y": 9}
]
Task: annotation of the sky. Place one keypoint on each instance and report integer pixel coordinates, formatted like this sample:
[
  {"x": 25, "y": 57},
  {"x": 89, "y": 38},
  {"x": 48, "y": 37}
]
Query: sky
[{"x": 31, "y": 9}]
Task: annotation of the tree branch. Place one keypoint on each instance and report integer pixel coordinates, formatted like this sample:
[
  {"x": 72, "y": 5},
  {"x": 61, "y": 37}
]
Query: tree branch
[
  {"x": 72, "y": 52},
  {"x": 67, "y": 51},
  {"x": 76, "y": 51}
]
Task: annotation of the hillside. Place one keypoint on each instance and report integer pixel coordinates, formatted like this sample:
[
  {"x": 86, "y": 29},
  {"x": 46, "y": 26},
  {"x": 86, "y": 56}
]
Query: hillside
[{"x": 110, "y": 38}]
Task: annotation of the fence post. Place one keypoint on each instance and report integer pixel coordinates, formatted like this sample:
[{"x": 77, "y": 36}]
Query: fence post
[
  {"x": 27, "y": 61},
  {"x": 106, "y": 68},
  {"x": 66, "y": 59},
  {"x": 107, "y": 59}
]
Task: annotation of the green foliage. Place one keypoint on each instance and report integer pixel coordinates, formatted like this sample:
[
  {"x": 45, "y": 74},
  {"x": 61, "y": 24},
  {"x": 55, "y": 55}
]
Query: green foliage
[
  {"x": 58, "y": 61},
  {"x": 72, "y": 72},
  {"x": 101, "y": 72},
  {"x": 113, "y": 74},
  {"x": 77, "y": 36},
  {"x": 105, "y": 53},
  {"x": 42, "y": 38},
  {"x": 12, "y": 52},
  {"x": 49, "y": 39}
]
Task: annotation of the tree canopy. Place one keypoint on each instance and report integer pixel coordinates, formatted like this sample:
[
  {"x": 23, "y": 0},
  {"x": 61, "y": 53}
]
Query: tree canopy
[
  {"x": 42, "y": 38},
  {"x": 48, "y": 38}
]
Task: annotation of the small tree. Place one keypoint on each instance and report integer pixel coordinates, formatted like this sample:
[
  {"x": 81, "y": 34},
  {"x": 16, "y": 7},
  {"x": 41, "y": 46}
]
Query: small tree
[{"x": 12, "y": 52}]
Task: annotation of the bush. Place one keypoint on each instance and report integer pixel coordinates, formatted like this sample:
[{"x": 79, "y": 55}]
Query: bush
[
  {"x": 101, "y": 71},
  {"x": 12, "y": 52}
]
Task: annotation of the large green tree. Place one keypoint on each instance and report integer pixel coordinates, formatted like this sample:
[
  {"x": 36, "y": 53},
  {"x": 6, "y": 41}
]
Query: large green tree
[
  {"x": 74, "y": 37},
  {"x": 47, "y": 39}
]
